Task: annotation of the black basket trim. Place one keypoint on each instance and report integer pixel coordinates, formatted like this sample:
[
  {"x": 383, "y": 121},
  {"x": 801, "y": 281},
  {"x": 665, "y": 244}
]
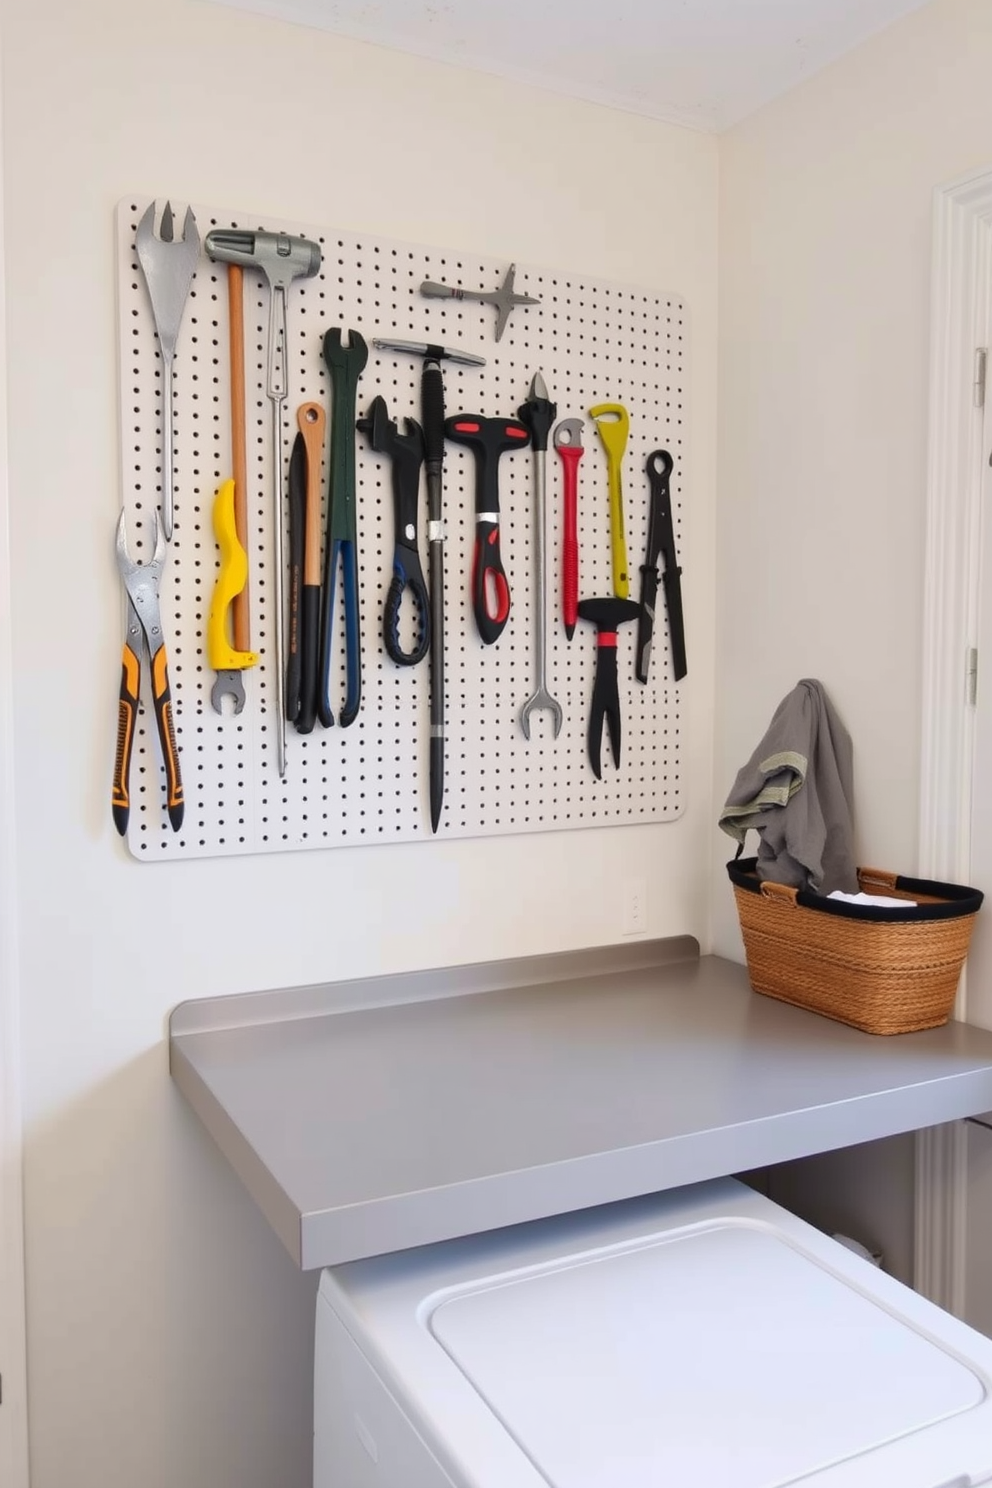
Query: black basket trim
[{"x": 959, "y": 900}]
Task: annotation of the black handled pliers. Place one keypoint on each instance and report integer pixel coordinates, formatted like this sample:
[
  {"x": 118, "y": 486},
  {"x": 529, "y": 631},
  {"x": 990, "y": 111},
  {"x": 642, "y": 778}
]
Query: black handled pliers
[{"x": 406, "y": 451}]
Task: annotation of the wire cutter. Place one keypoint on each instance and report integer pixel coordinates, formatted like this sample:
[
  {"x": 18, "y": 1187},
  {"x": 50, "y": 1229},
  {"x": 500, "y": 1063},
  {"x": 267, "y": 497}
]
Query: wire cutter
[
  {"x": 144, "y": 630},
  {"x": 406, "y": 451}
]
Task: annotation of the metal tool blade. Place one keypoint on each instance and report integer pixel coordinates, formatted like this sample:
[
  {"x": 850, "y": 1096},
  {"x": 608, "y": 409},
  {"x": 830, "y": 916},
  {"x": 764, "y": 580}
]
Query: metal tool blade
[{"x": 168, "y": 266}]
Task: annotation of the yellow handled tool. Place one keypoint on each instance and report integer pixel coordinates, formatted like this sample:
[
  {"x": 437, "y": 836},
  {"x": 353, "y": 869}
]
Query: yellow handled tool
[
  {"x": 231, "y": 528},
  {"x": 231, "y": 580},
  {"x": 612, "y": 424}
]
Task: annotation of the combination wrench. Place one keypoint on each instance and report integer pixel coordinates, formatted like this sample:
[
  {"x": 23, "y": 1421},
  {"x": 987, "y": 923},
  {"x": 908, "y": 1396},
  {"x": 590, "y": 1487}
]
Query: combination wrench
[{"x": 538, "y": 413}]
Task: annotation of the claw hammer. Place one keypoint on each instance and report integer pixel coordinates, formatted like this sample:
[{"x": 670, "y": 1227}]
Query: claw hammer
[{"x": 281, "y": 259}]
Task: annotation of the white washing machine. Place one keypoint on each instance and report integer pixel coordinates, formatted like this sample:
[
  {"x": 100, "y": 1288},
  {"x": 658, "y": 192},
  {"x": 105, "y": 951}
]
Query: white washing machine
[{"x": 702, "y": 1338}]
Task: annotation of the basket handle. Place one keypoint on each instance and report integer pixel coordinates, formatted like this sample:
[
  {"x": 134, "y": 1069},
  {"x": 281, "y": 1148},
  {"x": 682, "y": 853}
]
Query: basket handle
[
  {"x": 877, "y": 877},
  {"x": 784, "y": 893}
]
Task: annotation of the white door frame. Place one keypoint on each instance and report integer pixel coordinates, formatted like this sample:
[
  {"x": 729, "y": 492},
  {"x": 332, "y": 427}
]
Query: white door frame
[
  {"x": 13, "y": 1346},
  {"x": 959, "y": 318},
  {"x": 13, "y": 1361}
]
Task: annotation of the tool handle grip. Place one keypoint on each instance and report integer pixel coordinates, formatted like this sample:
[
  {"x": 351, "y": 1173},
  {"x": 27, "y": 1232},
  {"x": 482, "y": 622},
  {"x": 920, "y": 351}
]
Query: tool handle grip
[
  {"x": 297, "y": 518},
  {"x": 294, "y": 663},
  {"x": 570, "y": 583},
  {"x": 127, "y": 717},
  {"x": 401, "y": 583},
  {"x": 432, "y": 415},
  {"x": 618, "y": 540},
  {"x": 570, "y": 538},
  {"x": 312, "y": 423},
  {"x": 239, "y": 458},
  {"x": 353, "y": 645},
  {"x": 309, "y": 647},
  {"x": 232, "y": 577},
  {"x": 489, "y": 582},
  {"x": 345, "y": 549},
  {"x": 162, "y": 696},
  {"x": 432, "y": 291}
]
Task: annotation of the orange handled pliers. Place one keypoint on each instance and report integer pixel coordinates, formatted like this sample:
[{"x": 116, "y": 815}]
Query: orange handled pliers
[{"x": 144, "y": 629}]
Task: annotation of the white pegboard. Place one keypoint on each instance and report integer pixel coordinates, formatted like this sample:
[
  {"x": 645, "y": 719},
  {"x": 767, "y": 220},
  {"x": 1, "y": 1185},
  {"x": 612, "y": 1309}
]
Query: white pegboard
[{"x": 594, "y": 342}]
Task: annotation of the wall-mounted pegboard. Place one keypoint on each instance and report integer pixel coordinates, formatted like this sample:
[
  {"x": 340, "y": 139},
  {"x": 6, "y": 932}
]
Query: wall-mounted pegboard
[{"x": 594, "y": 342}]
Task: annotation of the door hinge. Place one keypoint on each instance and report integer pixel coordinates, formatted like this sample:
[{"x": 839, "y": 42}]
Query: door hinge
[
  {"x": 972, "y": 675},
  {"x": 978, "y": 386}
]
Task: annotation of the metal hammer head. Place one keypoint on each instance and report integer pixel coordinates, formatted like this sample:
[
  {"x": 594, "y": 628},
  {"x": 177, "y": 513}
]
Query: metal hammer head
[{"x": 278, "y": 256}]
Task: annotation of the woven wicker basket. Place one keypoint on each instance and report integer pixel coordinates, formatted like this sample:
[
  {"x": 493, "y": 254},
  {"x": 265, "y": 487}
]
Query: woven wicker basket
[{"x": 883, "y": 970}]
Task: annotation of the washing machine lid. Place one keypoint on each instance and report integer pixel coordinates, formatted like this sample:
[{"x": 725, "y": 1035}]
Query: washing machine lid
[
  {"x": 719, "y": 1356},
  {"x": 729, "y": 1346}
]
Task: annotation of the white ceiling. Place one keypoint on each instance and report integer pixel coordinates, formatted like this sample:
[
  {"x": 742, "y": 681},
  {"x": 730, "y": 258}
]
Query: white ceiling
[{"x": 703, "y": 63}]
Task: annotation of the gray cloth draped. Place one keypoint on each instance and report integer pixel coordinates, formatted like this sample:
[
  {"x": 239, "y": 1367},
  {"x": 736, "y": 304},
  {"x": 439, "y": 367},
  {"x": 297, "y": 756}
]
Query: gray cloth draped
[{"x": 797, "y": 791}]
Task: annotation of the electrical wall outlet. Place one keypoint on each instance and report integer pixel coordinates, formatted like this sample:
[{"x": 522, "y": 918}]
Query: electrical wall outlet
[{"x": 635, "y": 907}]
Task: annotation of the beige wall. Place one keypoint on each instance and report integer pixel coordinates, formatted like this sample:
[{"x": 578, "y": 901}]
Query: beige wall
[
  {"x": 825, "y": 233},
  {"x": 825, "y": 223},
  {"x": 169, "y": 1336}
]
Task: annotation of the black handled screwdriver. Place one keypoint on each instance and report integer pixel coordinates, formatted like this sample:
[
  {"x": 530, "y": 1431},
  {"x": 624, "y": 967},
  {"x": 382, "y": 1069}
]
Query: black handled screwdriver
[
  {"x": 432, "y": 413},
  {"x": 432, "y": 419}
]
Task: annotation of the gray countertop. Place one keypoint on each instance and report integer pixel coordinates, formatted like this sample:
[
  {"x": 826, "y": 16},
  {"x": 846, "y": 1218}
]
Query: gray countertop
[{"x": 373, "y": 1116}]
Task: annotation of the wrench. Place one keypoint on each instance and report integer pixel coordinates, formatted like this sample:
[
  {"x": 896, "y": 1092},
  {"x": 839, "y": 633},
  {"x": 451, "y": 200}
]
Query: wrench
[
  {"x": 568, "y": 443},
  {"x": 538, "y": 414}
]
